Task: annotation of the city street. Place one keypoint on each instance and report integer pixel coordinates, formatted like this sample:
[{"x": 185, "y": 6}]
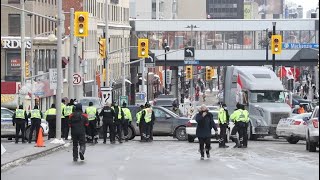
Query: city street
[{"x": 166, "y": 158}]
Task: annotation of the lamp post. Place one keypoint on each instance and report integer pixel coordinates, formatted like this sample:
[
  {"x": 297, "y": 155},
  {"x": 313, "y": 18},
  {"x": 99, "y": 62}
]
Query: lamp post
[
  {"x": 267, "y": 46},
  {"x": 23, "y": 48},
  {"x": 31, "y": 59},
  {"x": 166, "y": 49},
  {"x": 273, "y": 55}
]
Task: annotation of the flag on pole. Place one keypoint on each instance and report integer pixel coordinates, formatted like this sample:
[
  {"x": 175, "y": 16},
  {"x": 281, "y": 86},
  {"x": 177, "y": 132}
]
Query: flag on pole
[
  {"x": 239, "y": 89},
  {"x": 286, "y": 72}
]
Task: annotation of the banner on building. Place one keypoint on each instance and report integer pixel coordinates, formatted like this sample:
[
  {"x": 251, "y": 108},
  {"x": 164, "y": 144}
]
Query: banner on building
[{"x": 247, "y": 11}]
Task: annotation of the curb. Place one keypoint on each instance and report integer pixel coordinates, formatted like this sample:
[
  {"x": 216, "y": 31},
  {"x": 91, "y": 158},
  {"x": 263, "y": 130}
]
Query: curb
[{"x": 25, "y": 159}]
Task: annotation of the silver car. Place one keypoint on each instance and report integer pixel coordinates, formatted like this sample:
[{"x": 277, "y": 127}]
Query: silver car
[{"x": 95, "y": 100}]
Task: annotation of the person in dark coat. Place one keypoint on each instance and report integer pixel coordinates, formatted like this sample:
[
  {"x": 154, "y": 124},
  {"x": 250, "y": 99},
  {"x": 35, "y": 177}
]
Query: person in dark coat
[
  {"x": 20, "y": 120},
  {"x": 78, "y": 121},
  {"x": 204, "y": 125},
  {"x": 35, "y": 116},
  {"x": 108, "y": 116}
]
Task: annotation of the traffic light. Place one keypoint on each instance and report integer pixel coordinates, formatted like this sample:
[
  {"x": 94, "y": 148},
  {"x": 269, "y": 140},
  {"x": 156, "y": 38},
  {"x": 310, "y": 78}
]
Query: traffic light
[
  {"x": 143, "y": 48},
  {"x": 209, "y": 73},
  {"x": 189, "y": 72},
  {"x": 276, "y": 44},
  {"x": 102, "y": 48},
  {"x": 81, "y": 19},
  {"x": 27, "y": 70}
]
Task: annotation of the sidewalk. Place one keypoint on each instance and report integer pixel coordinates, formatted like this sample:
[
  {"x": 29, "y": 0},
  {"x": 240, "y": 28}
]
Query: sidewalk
[{"x": 19, "y": 153}]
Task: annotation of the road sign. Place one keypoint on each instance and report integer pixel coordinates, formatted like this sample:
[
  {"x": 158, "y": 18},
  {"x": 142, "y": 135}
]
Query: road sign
[
  {"x": 169, "y": 75},
  {"x": 77, "y": 79},
  {"x": 53, "y": 76},
  {"x": 299, "y": 45},
  {"x": 191, "y": 62},
  {"x": 140, "y": 98},
  {"x": 150, "y": 59},
  {"x": 189, "y": 52},
  {"x": 123, "y": 99}
]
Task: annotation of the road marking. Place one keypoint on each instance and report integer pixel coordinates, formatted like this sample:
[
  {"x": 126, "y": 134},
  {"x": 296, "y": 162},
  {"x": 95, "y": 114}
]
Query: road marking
[{"x": 230, "y": 166}]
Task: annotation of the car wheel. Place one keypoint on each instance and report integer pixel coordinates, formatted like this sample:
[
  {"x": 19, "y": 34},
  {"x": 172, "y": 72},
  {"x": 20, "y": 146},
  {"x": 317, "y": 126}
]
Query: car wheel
[
  {"x": 250, "y": 135},
  {"x": 10, "y": 138},
  {"x": 228, "y": 135},
  {"x": 190, "y": 139},
  {"x": 33, "y": 133},
  {"x": 312, "y": 146},
  {"x": 131, "y": 134},
  {"x": 181, "y": 134},
  {"x": 292, "y": 140},
  {"x": 307, "y": 145}
]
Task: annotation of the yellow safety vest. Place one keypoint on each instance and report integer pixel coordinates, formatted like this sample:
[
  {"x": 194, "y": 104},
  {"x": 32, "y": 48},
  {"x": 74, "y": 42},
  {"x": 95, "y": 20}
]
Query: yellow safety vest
[
  {"x": 20, "y": 114},
  {"x": 119, "y": 112},
  {"x": 62, "y": 108},
  {"x": 127, "y": 114},
  {"x": 148, "y": 114},
  {"x": 68, "y": 110},
  {"x": 222, "y": 116},
  {"x": 246, "y": 113},
  {"x": 91, "y": 111},
  {"x": 35, "y": 114},
  {"x": 138, "y": 116},
  {"x": 51, "y": 111}
]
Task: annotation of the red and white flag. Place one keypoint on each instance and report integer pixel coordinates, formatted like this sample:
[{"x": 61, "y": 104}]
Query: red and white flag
[
  {"x": 286, "y": 71},
  {"x": 239, "y": 89}
]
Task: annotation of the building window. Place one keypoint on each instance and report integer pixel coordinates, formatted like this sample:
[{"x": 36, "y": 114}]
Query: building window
[
  {"x": 14, "y": 24},
  {"x": 13, "y": 1}
]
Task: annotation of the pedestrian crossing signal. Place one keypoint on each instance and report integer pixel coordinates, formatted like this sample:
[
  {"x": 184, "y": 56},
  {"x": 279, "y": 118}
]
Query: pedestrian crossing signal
[{"x": 189, "y": 72}]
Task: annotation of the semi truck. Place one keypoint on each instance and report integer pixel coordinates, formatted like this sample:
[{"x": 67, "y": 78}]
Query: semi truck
[{"x": 262, "y": 93}]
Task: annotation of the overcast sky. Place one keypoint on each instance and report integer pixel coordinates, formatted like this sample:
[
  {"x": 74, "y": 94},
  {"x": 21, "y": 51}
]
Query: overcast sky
[{"x": 306, "y": 4}]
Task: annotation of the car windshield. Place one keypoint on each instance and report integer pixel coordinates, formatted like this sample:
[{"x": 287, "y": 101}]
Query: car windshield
[
  {"x": 262, "y": 96},
  {"x": 85, "y": 102},
  {"x": 171, "y": 113},
  {"x": 164, "y": 102},
  {"x": 301, "y": 116},
  {"x": 214, "y": 113},
  {"x": 316, "y": 113}
]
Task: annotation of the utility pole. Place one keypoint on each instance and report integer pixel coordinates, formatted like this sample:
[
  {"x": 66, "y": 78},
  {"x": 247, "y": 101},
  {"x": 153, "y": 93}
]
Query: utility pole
[
  {"x": 71, "y": 56},
  {"x": 106, "y": 36},
  {"x": 59, "y": 72},
  {"x": 123, "y": 70},
  {"x": 273, "y": 55},
  {"x": 31, "y": 60},
  {"x": 23, "y": 48},
  {"x": 267, "y": 46}
]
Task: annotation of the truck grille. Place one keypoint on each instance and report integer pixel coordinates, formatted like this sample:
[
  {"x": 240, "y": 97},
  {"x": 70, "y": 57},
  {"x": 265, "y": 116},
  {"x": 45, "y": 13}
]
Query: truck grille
[{"x": 275, "y": 117}]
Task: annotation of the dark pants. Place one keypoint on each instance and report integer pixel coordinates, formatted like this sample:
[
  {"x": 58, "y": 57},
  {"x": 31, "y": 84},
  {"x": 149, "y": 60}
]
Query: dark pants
[
  {"x": 141, "y": 128},
  {"x": 64, "y": 128},
  {"x": 125, "y": 125},
  {"x": 78, "y": 139},
  {"x": 52, "y": 129},
  {"x": 20, "y": 126},
  {"x": 203, "y": 141},
  {"x": 151, "y": 130},
  {"x": 118, "y": 129},
  {"x": 146, "y": 131},
  {"x": 108, "y": 125},
  {"x": 242, "y": 131},
  {"x": 223, "y": 135},
  {"x": 92, "y": 130},
  {"x": 35, "y": 125},
  {"x": 234, "y": 132},
  {"x": 245, "y": 136}
]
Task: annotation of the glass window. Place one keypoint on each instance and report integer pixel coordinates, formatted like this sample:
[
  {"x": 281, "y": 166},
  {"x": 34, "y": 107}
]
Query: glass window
[
  {"x": 266, "y": 96},
  {"x": 6, "y": 114},
  {"x": 14, "y": 24},
  {"x": 159, "y": 113}
]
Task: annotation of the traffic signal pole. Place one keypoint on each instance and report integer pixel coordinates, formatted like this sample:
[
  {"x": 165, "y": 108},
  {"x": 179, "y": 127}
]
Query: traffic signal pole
[
  {"x": 71, "y": 56},
  {"x": 273, "y": 55},
  {"x": 23, "y": 49}
]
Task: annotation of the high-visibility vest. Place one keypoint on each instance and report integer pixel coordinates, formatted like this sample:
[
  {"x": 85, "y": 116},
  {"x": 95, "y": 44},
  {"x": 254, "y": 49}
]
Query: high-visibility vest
[
  {"x": 119, "y": 112},
  {"x": 51, "y": 111},
  {"x": 62, "y": 108},
  {"x": 127, "y": 114},
  {"x": 138, "y": 116},
  {"x": 222, "y": 116},
  {"x": 35, "y": 114},
  {"x": 246, "y": 113},
  {"x": 20, "y": 114},
  {"x": 68, "y": 110},
  {"x": 91, "y": 111},
  {"x": 148, "y": 114},
  {"x": 235, "y": 115},
  {"x": 242, "y": 116}
]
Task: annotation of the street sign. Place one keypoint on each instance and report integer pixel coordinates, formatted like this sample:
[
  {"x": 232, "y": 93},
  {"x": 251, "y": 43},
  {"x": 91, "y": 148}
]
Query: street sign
[
  {"x": 140, "y": 98},
  {"x": 77, "y": 79},
  {"x": 168, "y": 77},
  {"x": 150, "y": 61},
  {"x": 299, "y": 45},
  {"x": 53, "y": 76},
  {"x": 123, "y": 99},
  {"x": 189, "y": 52},
  {"x": 191, "y": 62}
]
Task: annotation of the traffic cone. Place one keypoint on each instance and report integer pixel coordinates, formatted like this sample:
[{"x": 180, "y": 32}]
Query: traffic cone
[{"x": 40, "y": 141}]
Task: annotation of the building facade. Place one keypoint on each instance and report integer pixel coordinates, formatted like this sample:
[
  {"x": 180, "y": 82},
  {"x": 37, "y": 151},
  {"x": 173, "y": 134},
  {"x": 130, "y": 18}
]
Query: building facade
[{"x": 225, "y": 9}]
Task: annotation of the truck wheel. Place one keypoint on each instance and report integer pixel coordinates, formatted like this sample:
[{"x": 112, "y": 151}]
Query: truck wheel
[
  {"x": 190, "y": 139},
  {"x": 292, "y": 140},
  {"x": 181, "y": 134},
  {"x": 250, "y": 135},
  {"x": 312, "y": 146}
]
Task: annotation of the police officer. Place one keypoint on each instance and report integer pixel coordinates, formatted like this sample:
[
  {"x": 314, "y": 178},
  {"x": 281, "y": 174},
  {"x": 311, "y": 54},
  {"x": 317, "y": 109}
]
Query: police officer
[
  {"x": 64, "y": 122},
  {"x": 245, "y": 134},
  {"x": 68, "y": 110},
  {"x": 140, "y": 123},
  {"x": 50, "y": 116},
  {"x": 149, "y": 118},
  {"x": 240, "y": 119},
  {"x": 108, "y": 116},
  {"x": 20, "y": 120},
  {"x": 78, "y": 121},
  {"x": 127, "y": 120},
  {"x": 235, "y": 129},
  {"x": 93, "y": 118},
  {"x": 119, "y": 117},
  {"x": 35, "y": 116},
  {"x": 223, "y": 120}
]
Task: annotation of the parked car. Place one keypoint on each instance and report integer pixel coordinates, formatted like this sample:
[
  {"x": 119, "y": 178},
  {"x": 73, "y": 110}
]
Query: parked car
[
  {"x": 95, "y": 100},
  {"x": 167, "y": 123},
  {"x": 165, "y": 101},
  {"x": 312, "y": 131},
  {"x": 293, "y": 128},
  {"x": 9, "y": 131},
  {"x": 210, "y": 108},
  {"x": 191, "y": 126},
  {"x": 296, "y": 100}
]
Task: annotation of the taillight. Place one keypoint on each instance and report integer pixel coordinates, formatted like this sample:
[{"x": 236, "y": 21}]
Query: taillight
[
  {"x": 189, "y": 124},
  {"x": 315, "y": 123},
  {"x": 296, "y": 123},
  {"x": 304, "y": 123}
]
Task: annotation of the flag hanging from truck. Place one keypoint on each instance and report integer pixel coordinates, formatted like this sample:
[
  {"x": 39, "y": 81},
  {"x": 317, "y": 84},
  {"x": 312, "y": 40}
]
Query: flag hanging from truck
[{"x": 239, "y": 89}]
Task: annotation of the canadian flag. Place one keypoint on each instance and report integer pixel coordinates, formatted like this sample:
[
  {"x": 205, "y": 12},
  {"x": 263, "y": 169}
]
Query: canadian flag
[
  {"x": 239, "y": 88},
  {"x": 286, "y": 71}
]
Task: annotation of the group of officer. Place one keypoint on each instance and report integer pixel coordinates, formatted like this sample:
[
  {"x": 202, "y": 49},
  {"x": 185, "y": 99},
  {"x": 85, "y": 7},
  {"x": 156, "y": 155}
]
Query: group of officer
[{"x": 240, "y": 117}]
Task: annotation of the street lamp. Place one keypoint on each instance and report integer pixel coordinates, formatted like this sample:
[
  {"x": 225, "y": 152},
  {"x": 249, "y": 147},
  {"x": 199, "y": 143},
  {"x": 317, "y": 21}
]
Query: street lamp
[{"x": 166, "y": 49}]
